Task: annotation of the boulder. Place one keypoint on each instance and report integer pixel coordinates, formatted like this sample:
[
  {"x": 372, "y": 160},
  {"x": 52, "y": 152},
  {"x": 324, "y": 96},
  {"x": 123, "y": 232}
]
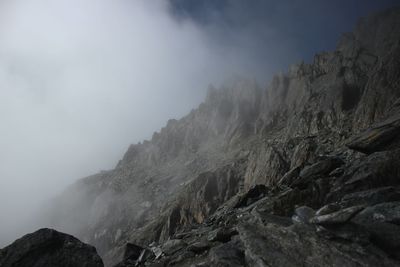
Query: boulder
[
  {"x": 303, "y": 215},
  {"x": 322, "y": 167},
  {"x": 340, "y": 216},
  {"x": 47, "y": 247},
  {"x": 227, "y": 255},
  {"x": 380, "y": 137}
]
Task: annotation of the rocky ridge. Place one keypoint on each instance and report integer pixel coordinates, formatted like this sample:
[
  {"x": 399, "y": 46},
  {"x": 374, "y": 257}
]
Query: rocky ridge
[{"x": 303, "y": 172}]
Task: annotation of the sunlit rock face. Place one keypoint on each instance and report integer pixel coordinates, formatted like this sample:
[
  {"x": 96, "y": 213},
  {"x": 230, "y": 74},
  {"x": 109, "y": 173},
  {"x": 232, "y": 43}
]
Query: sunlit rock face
[{"x": 300, "y": 137}]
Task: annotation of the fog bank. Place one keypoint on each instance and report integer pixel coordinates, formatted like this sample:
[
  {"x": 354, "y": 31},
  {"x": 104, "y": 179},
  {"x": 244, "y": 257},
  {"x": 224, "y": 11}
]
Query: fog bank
[{"x": 80, "y": 81}]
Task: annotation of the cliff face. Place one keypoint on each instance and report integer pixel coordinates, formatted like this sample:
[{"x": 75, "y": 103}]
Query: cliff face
[{"x": 199, "y": 172}]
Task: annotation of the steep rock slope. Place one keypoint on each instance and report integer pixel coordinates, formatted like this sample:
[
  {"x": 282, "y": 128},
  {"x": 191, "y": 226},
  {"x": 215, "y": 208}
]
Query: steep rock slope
[{"x": 290, "y": 137}]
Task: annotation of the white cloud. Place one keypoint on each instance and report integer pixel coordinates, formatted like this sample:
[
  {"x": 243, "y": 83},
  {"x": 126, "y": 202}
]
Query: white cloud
[{"x": 82, "y": 79}]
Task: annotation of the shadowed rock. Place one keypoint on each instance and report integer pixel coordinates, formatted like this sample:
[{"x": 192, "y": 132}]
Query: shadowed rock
[
  {"x": 379, "y": 137},
  {"x": 303, "y": 215},
  {"x": 47, "y": 247},
  {"x": 340, "y": 216},
  {"x": 254, "y": 194}
]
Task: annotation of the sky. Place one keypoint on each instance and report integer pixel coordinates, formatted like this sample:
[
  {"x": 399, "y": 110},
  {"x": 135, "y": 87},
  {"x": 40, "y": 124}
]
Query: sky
[{"x": 80, "y": 80}]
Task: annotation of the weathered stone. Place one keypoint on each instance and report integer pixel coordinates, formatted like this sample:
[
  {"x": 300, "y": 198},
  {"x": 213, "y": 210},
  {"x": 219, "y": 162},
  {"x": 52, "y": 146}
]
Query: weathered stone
[
  {"x": 227, "y": 255},
  {"x": 372, "y": 197},
  {"x": 221, "y": 235},
  {"x": 329, "y": 208},
  {"x": 199, "y": 247},
  {"x": 379, "y": 137},
  {"x": 254, "y": 194},
  {"x": 290, "y": 176},
  {"x": 144, "y": 256},
  {"x": 266, "y": 165},
  {"x": 271, "y": 245},
  {"x": 157, "y": 251},
  {"x": 384, "y": 212},
  {"x": 321, "y": 167},
  {"x": 266, "y": 217},
  {"x": 303, "y": 215},
  {"x": 349, "y": 231},
  {"x": 132, "y": 251},
  {"x": 181, "y": 258},
  {"x": 383, "y": 223},
  {"x": 172, "y": 246},
  {"x": 47, "y": 247},
  {"x": 340, "y": 216},
  {"x": 379, "y": 169}
]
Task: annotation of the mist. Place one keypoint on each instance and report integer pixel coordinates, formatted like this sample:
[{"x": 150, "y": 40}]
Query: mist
[{"x": 80, "y": 80}]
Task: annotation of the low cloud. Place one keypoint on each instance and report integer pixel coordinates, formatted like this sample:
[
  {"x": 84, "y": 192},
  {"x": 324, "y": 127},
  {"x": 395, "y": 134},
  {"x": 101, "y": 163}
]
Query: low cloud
[{"x": 81, "y": 80}]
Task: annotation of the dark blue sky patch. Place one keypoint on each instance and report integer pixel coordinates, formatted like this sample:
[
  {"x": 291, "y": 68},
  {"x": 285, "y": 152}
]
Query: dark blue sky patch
[{"x": 277, "y": 32}]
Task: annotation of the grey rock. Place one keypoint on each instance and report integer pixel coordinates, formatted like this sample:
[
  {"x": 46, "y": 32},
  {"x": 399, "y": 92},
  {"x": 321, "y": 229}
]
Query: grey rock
[
  {"x": 271, "y": 245},
  {"x": 227, "y": 255},
  {"x": 379, "y": 137},
  {"x": 252, "y": 195},
  {"x": 329, "y": 208},
  {"x": 221, "y": 235},
  {"x": 372, "y": 196},
  {"x": 157, "y": 251},
  {"x": 383, "y": 223},
  {"x": 172, "y": 246},
  {"x": 340, "y": 216},
  {"x": 303, "y": 215},
  {"x": 132, "y": 251},
  {"x": 47, "y": 247},
  {"x": 321, "y": 167},
  {"x": 384, "y": 212},
  {"x": 182, "y": 257},
  {"x": 349, "y": 232},
  {"x": 144, "y": 256},
  {"x": 290, "y": 176},
  {"x": 377, "y": 170},
  {"x": 199, "y": 247}
]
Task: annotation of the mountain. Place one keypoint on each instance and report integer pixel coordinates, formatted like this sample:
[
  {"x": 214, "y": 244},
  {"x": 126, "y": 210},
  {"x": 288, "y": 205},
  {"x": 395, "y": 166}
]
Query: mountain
[{"x": 303, "y": 172}]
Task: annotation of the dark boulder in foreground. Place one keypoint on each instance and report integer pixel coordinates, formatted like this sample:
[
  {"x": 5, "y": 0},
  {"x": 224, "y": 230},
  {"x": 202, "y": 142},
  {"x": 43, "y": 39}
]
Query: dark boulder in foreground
[{"x": 47, "y": 247}]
